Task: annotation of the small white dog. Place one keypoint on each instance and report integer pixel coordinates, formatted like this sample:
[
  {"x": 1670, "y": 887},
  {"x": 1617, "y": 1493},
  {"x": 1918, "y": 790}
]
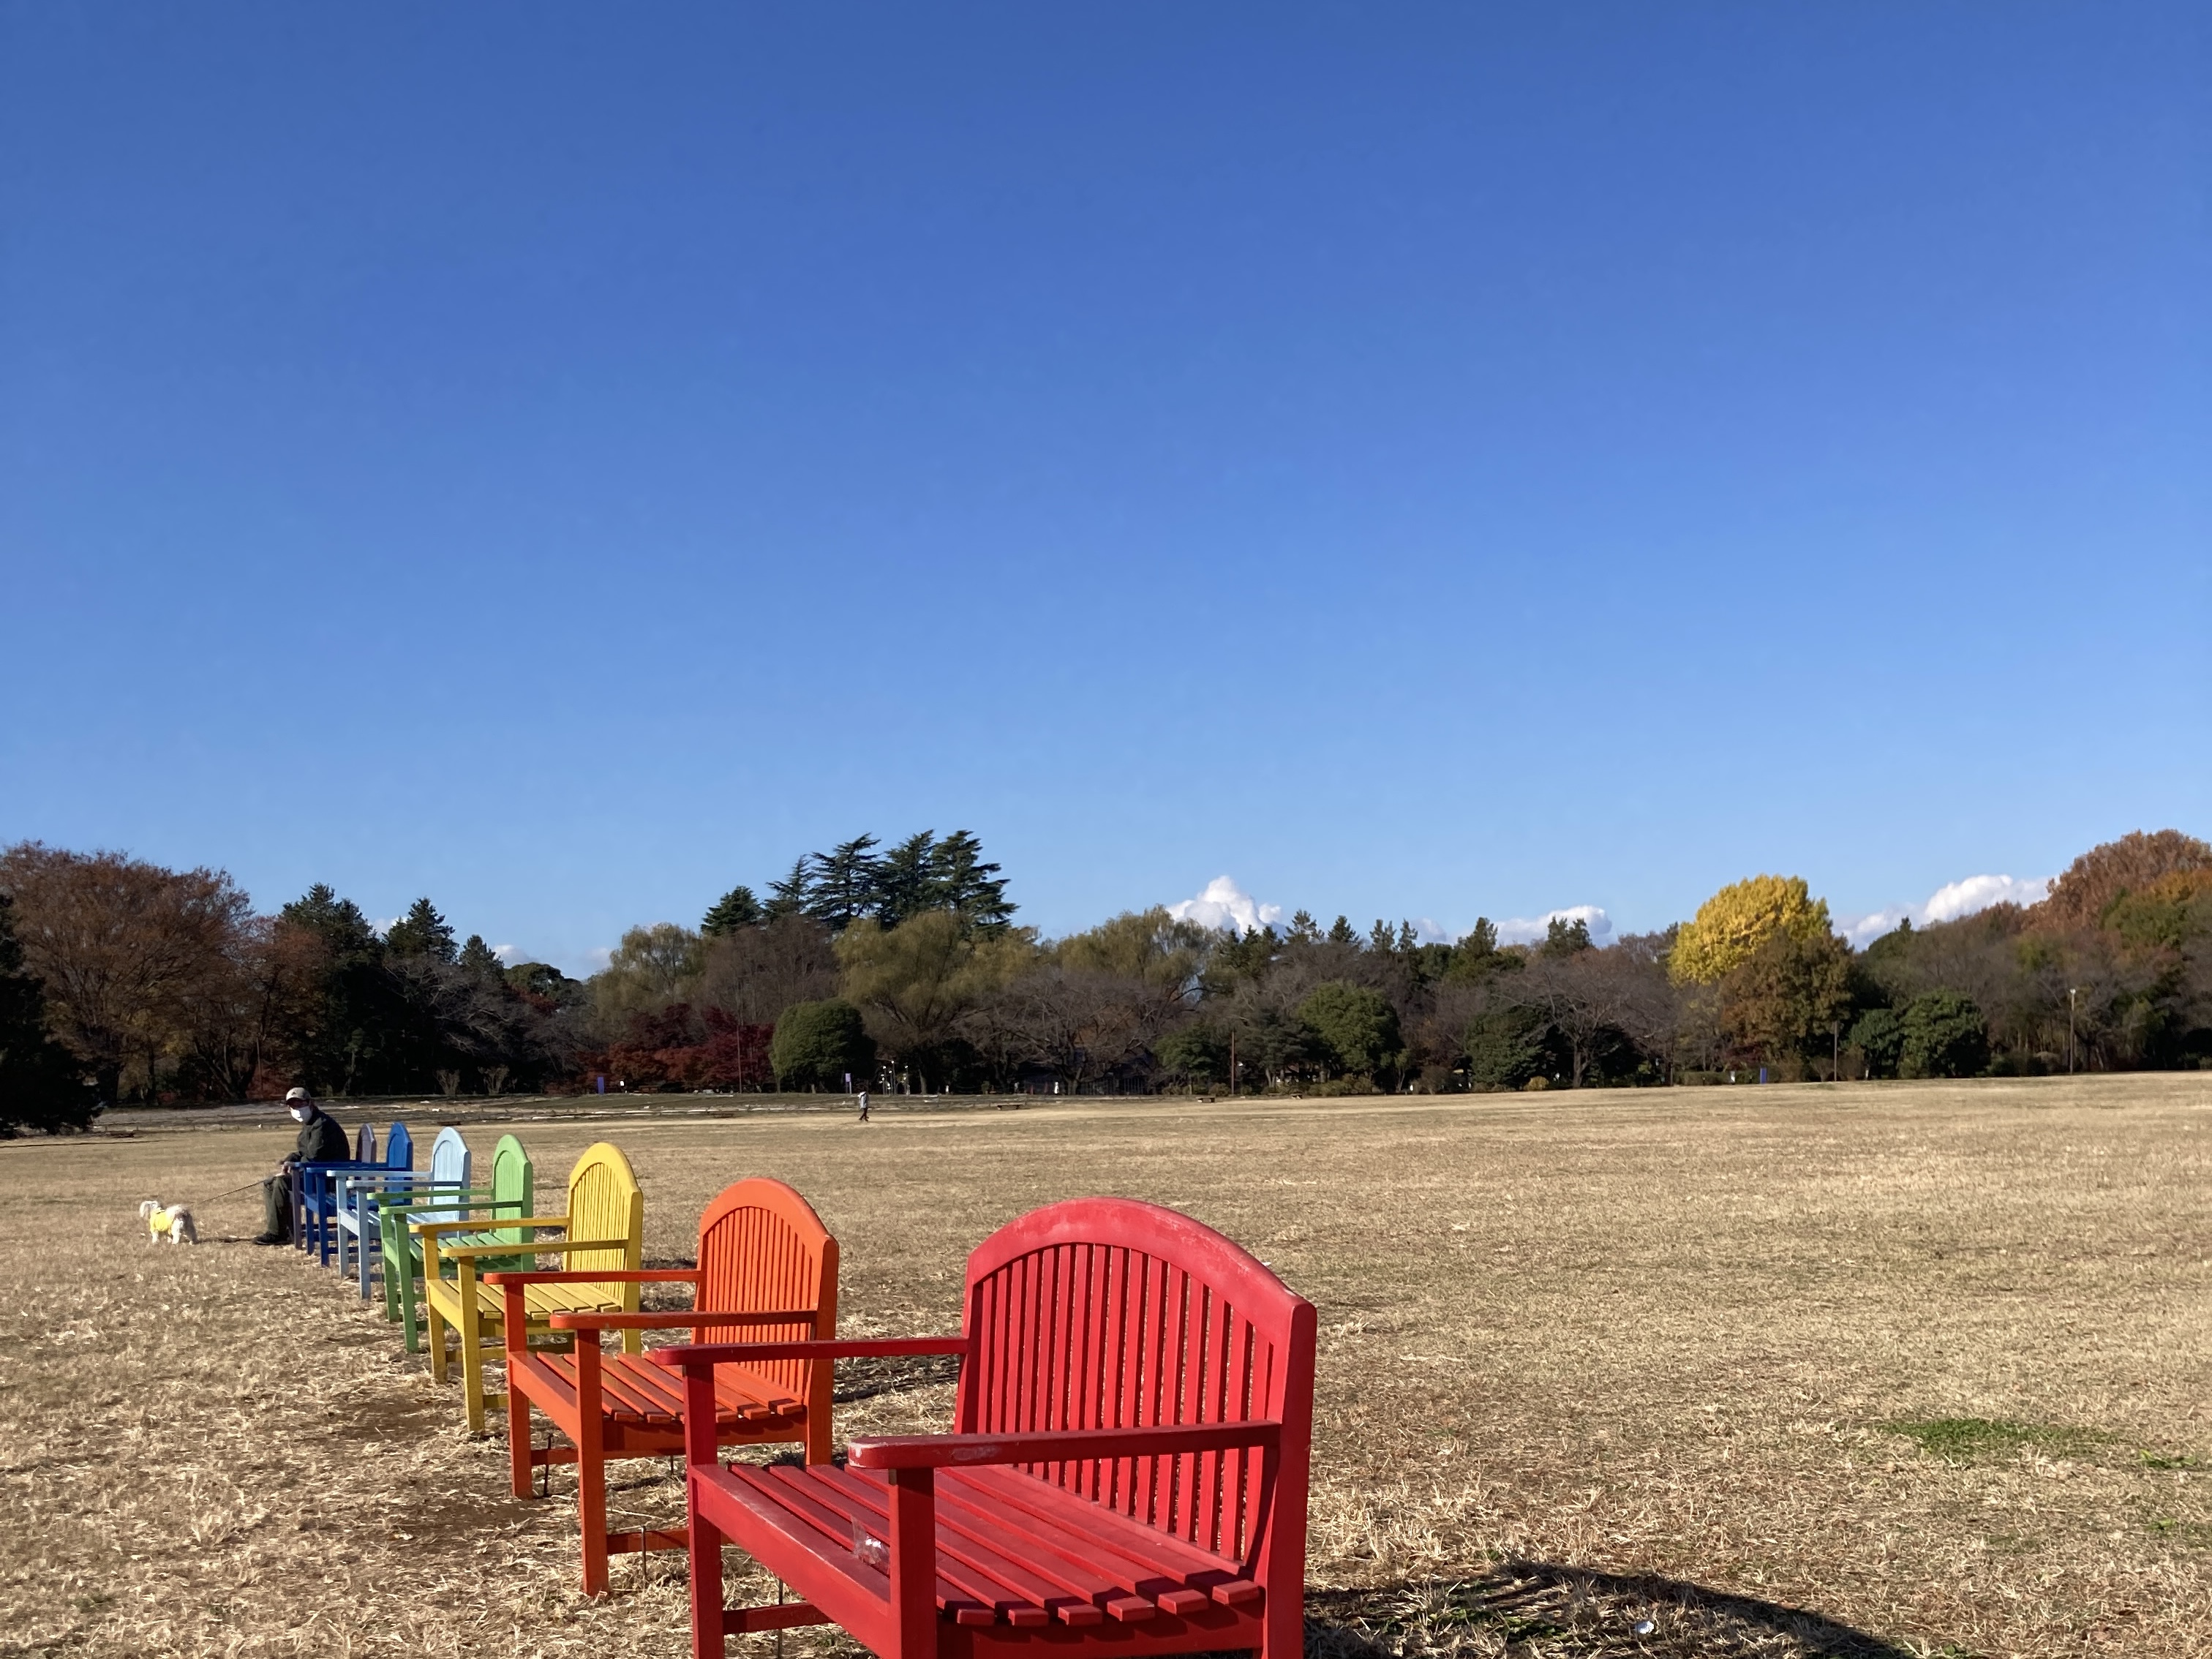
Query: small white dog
[{"x": 173, "y": 1220}]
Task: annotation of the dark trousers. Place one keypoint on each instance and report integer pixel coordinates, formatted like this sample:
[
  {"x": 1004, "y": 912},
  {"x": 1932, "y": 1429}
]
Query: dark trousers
[{"x": 277, "y": 1205}]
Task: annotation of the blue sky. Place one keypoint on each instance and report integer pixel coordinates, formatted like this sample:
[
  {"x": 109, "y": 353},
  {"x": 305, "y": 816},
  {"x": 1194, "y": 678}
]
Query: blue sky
[{"x": 1421, "y": 463}]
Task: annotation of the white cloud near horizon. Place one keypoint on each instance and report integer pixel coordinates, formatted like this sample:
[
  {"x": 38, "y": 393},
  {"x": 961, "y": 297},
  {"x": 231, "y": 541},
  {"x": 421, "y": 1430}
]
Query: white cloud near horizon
[
  {"x": 1224, "y": 905},
  {"x": 1525, "y": 930},
  {"x": 1947, "y": 904}
]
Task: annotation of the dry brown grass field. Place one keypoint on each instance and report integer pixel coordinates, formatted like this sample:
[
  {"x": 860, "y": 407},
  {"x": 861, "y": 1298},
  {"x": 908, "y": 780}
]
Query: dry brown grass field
[{"x": 1899, "y": 1369}]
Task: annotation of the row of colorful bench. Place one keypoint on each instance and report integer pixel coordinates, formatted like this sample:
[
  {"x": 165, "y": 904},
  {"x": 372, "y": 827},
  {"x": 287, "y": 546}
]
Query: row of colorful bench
[{"x": 1127, "y": 1465}]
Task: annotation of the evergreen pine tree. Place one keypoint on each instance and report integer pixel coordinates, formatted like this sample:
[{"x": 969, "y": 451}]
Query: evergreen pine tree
[
  {"x": 736, "y": 909},
  {"x": 422, "y": 933},
  {"x": 793, "y": 896},
  {"x": 964, "y": 882},
  {"x": 844, "y": 888},
  {"x": 339, "y": 923},
  {"x": 906, "y": 879},
  {"x": 478, "y": 960}
]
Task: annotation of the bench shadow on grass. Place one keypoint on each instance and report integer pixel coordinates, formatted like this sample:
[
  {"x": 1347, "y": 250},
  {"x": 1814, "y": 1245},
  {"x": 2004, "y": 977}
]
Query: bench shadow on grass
[{"x": 1542, "y": 1610}]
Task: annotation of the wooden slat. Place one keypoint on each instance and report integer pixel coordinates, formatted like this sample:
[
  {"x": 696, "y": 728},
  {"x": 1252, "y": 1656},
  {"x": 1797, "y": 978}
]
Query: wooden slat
[
  {"x": 626, "y": 1396},
  {"x": 823, "y": 1498},
  {"x": 833, "y": 1520},
  {"x": 1075, "y": 1552},
  {"x": 744, "y": 1488},
  {"x": 784, "y": 1615},
  {"x": 651, "y": 1538},
  {"x": 1020, "y": 1596},
  {"x": 1089, "y": 1595},
  {"x": 1041, "y": 1501}
]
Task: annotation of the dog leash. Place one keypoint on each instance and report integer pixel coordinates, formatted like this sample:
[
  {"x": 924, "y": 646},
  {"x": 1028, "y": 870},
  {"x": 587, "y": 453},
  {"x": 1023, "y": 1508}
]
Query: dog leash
[{"x": 242, "y": 1187}]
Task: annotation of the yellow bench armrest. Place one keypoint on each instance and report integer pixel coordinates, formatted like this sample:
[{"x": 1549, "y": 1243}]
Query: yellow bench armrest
[
  {"x": 545, "y": 1247},
  {"x": 431, "y": 1229}
]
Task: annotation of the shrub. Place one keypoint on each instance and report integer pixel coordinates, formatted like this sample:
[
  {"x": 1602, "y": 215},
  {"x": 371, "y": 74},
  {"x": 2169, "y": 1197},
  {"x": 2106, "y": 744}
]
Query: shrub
[
  {"x": 816, "y": 1044},
  {"x": 1879, "y": 1036},
  {"x": 1357, "y": 1025},
  {"x": 1196, "y": 1053},
  {"x": 1505, "y": 1046},
  {"x": 1943, "y": 1036}
]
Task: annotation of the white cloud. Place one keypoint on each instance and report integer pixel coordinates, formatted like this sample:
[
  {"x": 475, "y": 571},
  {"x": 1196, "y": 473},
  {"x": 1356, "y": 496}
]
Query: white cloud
[
  {"x": 1862, "y": 931},
  {"x": 381, "y": 928},
  {"x": 1963, "y": 898},
  {"x": 508, "y": 954},
  {"x": 1431, "y": 931},
  {"x": 1523, "y": 930},
  {"x": 1947, "y": 904},
  {"x": 1226, "y": 905}
]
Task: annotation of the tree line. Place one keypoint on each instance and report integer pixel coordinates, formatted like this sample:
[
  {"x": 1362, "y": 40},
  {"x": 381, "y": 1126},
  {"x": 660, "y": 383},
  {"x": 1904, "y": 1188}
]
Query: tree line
[{"x": 902, "y": 967}]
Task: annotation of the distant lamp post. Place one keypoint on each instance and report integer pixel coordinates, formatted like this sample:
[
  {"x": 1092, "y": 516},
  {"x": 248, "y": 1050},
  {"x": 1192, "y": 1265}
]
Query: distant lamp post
[
  {"x": 2072, "y": 992},
  {"x": 1836, "y": 1032}
]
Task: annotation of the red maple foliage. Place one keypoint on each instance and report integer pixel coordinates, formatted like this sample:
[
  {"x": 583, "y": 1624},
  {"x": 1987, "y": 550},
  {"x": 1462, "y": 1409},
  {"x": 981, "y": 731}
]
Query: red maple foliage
[{"x": 679, "y": 1046}]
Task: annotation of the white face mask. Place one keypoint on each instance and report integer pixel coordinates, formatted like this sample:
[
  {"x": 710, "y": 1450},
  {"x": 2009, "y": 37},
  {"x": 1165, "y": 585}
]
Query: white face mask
[{"x": 299, "y": 1115}]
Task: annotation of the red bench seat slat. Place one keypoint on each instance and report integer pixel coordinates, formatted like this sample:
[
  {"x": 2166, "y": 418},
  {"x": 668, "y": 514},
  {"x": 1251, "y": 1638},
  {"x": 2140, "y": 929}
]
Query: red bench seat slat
[{"x": 1025, "y": 1565}]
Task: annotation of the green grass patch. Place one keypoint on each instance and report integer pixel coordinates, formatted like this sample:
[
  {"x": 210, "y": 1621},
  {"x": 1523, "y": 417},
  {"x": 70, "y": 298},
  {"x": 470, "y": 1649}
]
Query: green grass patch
[
  {"x": 1968, "y": 1439},
  {"x": 2151, "y": 1460},
  {"x": 2198, "y": 1534}
]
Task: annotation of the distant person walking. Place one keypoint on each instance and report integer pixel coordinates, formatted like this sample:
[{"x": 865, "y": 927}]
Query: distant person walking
[
  {"x": 322, "y": 1141},
  {"x": 864, "y": 1105}
]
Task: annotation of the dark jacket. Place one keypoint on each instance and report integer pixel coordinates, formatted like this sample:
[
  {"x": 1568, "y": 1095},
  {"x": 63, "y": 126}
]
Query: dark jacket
[{"x": 322, "y": 1140}]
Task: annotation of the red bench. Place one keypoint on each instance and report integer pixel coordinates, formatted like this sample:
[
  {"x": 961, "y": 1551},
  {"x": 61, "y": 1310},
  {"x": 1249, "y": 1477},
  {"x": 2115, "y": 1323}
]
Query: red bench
[{"x": 1128, "y": 1467}]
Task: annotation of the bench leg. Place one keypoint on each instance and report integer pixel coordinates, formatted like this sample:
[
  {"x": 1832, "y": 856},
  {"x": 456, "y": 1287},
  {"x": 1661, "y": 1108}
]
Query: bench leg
[
  {"x": 590, "y": 1464},
  {"x": 409, "y": 1314},
  {"x": 383, "y": 1249},
  {"x": 435, "y": 1324},
  {"x": 914, "y": 1564},
  {"x": 518, "y": 1435},
  {"x": 472, "y": 1366},
  {"x": 709, "y": 1640}
]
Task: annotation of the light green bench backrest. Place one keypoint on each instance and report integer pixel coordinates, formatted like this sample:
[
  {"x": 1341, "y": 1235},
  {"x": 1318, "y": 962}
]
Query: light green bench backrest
[{"x": 513, "y": 1178}]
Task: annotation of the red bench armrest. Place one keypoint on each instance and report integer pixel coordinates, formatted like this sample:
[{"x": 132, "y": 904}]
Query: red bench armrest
[{"x": 937, "y": 1451}]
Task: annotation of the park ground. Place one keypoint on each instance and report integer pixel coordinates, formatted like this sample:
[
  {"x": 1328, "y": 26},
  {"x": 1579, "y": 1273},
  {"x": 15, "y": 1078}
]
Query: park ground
[{"x": 1879, "y": 1369}]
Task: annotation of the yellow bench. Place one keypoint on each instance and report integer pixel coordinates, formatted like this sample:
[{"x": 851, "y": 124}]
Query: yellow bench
[{"x": 603, "y": 1228}]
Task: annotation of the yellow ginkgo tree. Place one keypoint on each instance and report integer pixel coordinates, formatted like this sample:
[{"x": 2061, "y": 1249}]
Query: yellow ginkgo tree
[
  {"x": 1732, "y": 926},
  {"x": 1762, "y": 949}
]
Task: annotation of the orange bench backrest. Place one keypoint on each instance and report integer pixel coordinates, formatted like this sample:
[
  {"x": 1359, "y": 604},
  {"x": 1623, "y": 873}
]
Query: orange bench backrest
[{"x": 762, "y": 1248}]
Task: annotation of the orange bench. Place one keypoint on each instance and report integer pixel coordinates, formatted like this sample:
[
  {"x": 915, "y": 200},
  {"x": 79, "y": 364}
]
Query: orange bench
[{"x": 765, "y": 1261}]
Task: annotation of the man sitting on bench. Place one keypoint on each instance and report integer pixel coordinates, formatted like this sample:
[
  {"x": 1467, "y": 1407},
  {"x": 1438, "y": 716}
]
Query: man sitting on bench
[{"x": 322, "y": 1141}]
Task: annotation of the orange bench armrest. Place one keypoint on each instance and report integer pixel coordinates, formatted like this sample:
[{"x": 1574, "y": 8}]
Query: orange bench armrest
[
  {"x": 705, "y": 1356},
  {"x": 586, "y": 1276},
  {"x": 672, "y": 1319}
]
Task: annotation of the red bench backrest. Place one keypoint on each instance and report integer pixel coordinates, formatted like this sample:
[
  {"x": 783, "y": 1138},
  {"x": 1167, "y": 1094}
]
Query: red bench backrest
[
  {"x": 1108, "y": 1313},
  {"x": 762, "y": 1248}
]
